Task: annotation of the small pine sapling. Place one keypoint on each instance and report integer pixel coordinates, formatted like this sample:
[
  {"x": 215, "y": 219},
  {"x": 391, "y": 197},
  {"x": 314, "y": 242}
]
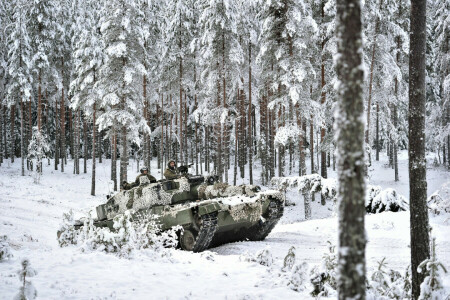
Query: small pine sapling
[
  {"x": 388, "y": 284},
  {"x": 27, "y": 290},
  {"x": 264, "y": 257},
  {"x": 37, "y": 150},
  {"x": 299, "y": 277},
  {"x": 5, "y": 250},
  {"x": 324, "y": 278},
  {"x": 289, "y": 260},
  {"x": 67, "y": 234},
  {"x": 432, "y": 288}
]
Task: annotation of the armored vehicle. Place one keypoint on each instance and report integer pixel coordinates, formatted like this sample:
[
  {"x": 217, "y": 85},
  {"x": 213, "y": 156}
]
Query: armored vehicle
[{"x": 211, "y": 213}]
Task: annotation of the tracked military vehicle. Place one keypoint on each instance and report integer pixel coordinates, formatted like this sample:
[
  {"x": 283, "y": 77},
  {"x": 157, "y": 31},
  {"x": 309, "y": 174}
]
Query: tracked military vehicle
[{"x": 211, "y": 213}]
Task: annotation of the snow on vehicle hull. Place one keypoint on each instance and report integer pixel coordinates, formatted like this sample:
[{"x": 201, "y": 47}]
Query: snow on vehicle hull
[{"x": 210, "y": 213}]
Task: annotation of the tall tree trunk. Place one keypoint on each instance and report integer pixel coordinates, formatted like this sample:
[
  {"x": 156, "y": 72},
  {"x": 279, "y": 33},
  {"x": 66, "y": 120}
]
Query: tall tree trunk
[
  {"x": 57, "y": 133},
  {"x": 94, "y": 131},
  {"x": 162, "y": 135},
  {"x": 63, "y": 131},
  {"x": 372, "y": 63},
  {"x": 76, "y": 157},
  {"x": 311, "y": 143},
  {"x": 249, "y": 127},
  {"x": 39, "y": 108},
  {"x": 124, "y": 156},
  {"x": 5, "y": 144},
  {"x": 417, "y": 164},
  {"x": 350, "y": 146},
  {"x": 71, "y": 133},
  {"x": 114, "y": 160},
  {"x": 235, "y": 151},
  {"x": 13, "y": 135},
  {"x": 28, "y": 129},
  {"x": 85, "y": 145},
  {"x": 1, "y": 133},
  {"x": 323, "y": 154},
  {"x": 377, "y": 137},
  {"x": 226, "y": 132},
  {"x": 22, "y": 147}
]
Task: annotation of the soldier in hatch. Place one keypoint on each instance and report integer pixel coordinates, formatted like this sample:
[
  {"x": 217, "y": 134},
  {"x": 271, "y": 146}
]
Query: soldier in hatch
[
  {"x": 144, "y": 172},
  {"x": 171, "y": 172}
]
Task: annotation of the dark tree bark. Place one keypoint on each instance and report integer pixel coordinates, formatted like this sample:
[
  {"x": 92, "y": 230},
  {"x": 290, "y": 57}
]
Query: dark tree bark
[
  {"x": 94, "y": 131},
  {"x": 85, "y": 145},
  {"x": 323, "y": 154},
  {"x": 114, "y": 160},
  {"x": 63, "y": 131},
  {"x": 13, "y": 135},
  {"x": 22, "y": 146},
  {"x": 377, "y": 136},
  {"x": 417, "y": 163},
  {"x": 1, "y": 133},
  {"x": 350, "y": 149},
  {"x": 57, "y": 133},
  {"x": 249, "y": 127}
]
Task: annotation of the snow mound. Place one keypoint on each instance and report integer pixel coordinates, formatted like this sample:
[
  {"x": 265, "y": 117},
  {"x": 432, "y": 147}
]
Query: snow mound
[
  {"x": 377, "y": 200},
  {"x": 439, "y": 201},
  {"x": 385, "y": 200}
]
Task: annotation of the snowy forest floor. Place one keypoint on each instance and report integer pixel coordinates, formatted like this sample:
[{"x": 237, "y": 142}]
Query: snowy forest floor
[{"x": 30, "y": 215}]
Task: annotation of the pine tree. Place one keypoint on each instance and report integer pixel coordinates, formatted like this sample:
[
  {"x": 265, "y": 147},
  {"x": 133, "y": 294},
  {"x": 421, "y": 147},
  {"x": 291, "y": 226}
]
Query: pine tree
[
  {"x": 121, "y": 103},
  {"x": 19, "y": 67},
  {"x": 417, "y": 163},
  {"x": 350, "y": 151}
]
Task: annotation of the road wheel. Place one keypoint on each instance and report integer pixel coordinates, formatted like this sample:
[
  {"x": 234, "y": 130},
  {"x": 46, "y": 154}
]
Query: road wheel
[{"x": 187, "y": 240}]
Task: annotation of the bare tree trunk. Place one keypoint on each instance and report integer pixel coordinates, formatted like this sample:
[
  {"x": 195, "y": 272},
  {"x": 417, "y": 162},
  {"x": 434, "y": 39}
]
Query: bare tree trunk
[
  {"x": 124, "y": 156},
  {"x": 114, "y": 160},
  {"x": 226, "y": 133},
  {"x": 249, "y": 127},
  {"x": 372, "y": 63},
  {"x": 350, "y": 146},
  {"x": 39, "y": 108},
  {"x": 22, "y": 148},
  {"x": 94, "y": 131},
  {"x": 63, "y": 131},
  {"x": 5, "y": 143},
  {"x": 1, "y": 133},
  {"x": 235, "y": 151},
  {"x": 323, "y": 154},
  {"x": 311, "y": 143},
  {"x": 76, "y": 158},
  {"x": 13, "y": 135},
  {"x": 377, "y": 137},
  {"x": 85, "y": 146},
  {"x": 162, "y": 136},
  {"x": 71, "y": 150},
  {"x": 57, "y": 133},
  {"x": 420, "y": 247}
]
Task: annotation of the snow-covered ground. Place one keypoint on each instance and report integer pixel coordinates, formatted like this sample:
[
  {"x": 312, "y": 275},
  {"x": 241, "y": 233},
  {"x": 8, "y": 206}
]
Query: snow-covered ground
[{"x": 30, "y": 215}]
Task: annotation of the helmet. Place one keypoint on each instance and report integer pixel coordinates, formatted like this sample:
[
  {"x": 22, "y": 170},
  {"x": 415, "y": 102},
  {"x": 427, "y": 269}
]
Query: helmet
[{"x": 143, "y": 169}]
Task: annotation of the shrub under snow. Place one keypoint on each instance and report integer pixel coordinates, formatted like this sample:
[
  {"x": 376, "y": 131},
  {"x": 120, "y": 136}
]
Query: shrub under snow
[
  {"x": 5, "y": 250},
  {"x": 385, "y": 200},
  {"x": 128, "y": 235},
  {"x": 377, "y": 200},
  {"x": 388, "y": 284},
  {"x": 439, "y": 201}
]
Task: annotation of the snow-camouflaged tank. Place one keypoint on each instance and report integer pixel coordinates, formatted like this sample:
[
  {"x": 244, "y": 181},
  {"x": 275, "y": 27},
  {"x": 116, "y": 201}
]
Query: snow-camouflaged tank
[{"x": 210, "y": 213}]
